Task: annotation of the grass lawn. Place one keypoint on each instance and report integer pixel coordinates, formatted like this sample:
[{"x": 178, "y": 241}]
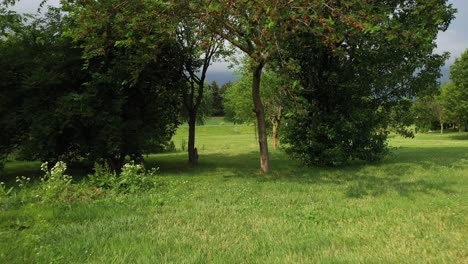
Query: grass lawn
[{"x": 410, "y": 208}]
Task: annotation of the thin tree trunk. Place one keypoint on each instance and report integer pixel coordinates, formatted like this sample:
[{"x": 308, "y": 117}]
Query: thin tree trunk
[
  {"x": 276, "y": 121},
  {"x": 441, "y": 127},
  {"x": 260, "y": 113},
  {"x": 116, "y": 163},
  {"x": 191, "y": 138},
  {"x": 276, "y": 124},
  {"x": 255, "y": 131}
]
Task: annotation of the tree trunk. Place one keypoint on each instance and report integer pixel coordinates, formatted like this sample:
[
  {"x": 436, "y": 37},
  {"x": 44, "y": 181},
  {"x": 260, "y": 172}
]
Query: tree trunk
[
  {"x": 276, "y": 121},
  {"x": 193, "y": 158},
  {"x": 441, "y": 127},
  {"x": 116, "y": 163},
  {"x": 276, "y": 124},
  {"x": 260, "y": 113}
]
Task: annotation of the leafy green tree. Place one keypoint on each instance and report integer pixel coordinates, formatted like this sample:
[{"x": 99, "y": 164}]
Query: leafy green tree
[
  {"x": 201, "y": 47},
  {"x": 455, "y": 95},
  {"x": 238, "y": 102},
  {"x": 423, "y": 112},
  {"x": 218, "y": 109},
  {"x": 261, "y": 30},
  {"x": 12, "y": 63},
  {"x": 40, "y": 66},
  {"x": 255, "y": 28},
  {"x": 124, "y": 101},
  {"x": 239, "y": 107},
  {"x": 136, "y": 67},
  {"x": 351, "y": 85}
]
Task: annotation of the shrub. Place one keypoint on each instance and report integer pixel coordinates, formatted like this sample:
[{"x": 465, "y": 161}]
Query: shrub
[
  {"x": 103, "y": 176},
  {"x": 55, "y": 183},
  {"x": 133, "y": 178}
]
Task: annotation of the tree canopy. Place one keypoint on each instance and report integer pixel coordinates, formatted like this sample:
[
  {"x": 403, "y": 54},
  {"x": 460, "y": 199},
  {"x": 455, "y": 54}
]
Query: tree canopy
[
  {"x": 99, "y": 84},
  {"x": 455, "y": 94},
  {"x": 351, "y": 87},
  {"x": 104, "y": 80}
]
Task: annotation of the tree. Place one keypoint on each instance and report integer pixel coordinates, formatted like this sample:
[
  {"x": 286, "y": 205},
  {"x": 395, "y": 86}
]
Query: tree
[
  {"x": 39, "y": 67},
  {"x": 351, "y": 84},
  {"x": 12, "y": 63},
  {"x": 124, "y": 101},
  {"x": 261, "y": 28},
  {"x": 136, "y": 67},
  {"x": 245, "y": 25},
  {"x": 218, "y": 109},
  {"x": 455, "y": 94},
  {"x": 428, "y": 113},
  {"x": 201, "y": 47},
  {"x": 239, "y": 107},
  {"x": 238, "y": 104}
]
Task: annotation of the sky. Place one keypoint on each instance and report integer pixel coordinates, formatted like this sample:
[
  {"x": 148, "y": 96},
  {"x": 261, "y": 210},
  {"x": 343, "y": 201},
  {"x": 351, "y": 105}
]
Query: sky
[{"x": 454, "y": 40}]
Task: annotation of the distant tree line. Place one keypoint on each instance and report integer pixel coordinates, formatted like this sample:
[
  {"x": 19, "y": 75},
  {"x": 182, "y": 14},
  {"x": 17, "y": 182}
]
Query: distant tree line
[
  {"x": 100, "y": 81},
  {"x": 448, "y": 106}
]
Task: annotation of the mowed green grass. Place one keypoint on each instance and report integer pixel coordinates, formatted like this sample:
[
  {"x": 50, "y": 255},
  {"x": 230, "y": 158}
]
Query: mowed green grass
[{"x": 410, "y": 208}]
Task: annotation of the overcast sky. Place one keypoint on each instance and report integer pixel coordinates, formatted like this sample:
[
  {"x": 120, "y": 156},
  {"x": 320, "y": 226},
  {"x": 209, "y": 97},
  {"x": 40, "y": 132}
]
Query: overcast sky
[{"x": 454, "y": 40}]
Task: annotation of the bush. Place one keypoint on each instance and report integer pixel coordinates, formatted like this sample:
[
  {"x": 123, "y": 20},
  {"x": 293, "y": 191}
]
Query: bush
[
  {"x": 334, "y": 139},
  {"x": 103, "y": 177},
  {"x": 55, "y": 183},
  {"x": 133, "y": 178}
]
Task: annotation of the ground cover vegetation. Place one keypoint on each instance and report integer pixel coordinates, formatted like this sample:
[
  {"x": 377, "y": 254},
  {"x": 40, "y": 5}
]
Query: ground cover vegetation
[{"x": 408, "y": 208}]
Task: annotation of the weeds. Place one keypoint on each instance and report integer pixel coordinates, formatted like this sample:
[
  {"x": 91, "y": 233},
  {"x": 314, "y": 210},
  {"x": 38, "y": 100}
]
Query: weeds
[{"x": 55, "y": 182}]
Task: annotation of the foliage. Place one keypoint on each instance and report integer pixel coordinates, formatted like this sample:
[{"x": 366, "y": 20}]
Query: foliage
[
  {"x": 125, "y": 101},
  {"x": 217, "y": 101},
  {"x": 238, "y": 106},
  {"x": 103, "y": 176},
  {"x": 5, "y": 191},
  {"x": 454, "y": 95},
  {"x": 238, "y": 98},
  {"x": 55, "y": 183},
  {"x": 40, "y": 67},
  {"x": 428, "y": 112},
  {"x": 351, "y": 85},
  {"x": 333, "y": 135},
  {"x": 136, "y": 66},
  {"x": 132, "y": 179}
]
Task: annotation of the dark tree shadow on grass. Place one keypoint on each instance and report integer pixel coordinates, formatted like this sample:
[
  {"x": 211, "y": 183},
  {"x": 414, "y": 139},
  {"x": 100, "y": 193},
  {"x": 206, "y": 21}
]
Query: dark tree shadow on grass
[
  {"x": 459, "y": 136},
  {"x": 358, "y": 179}
]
